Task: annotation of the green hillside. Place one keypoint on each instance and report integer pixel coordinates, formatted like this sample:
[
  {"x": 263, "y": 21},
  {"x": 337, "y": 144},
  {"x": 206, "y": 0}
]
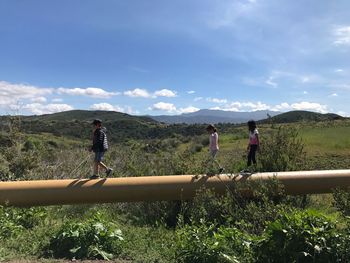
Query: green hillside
[
  {"x": 77, "y": 124},
  {"x": 85, "y": 115},
  {"x": 299, "y": 116}
]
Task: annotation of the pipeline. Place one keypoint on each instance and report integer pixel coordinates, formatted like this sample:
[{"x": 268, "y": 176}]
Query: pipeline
[{"x": 158, "y": 188}]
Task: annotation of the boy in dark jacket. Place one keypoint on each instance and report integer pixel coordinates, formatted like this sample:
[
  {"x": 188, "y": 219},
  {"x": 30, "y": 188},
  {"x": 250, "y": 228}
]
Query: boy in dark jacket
[{"x": 99, "y": 147}]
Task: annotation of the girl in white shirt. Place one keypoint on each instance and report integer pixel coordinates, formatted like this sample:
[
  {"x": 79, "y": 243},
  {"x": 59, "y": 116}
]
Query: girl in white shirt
[{"x": 214, "y": 145}]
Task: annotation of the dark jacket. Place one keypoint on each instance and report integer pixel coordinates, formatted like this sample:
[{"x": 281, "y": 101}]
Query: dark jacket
[{"x": 99, "y": 141}]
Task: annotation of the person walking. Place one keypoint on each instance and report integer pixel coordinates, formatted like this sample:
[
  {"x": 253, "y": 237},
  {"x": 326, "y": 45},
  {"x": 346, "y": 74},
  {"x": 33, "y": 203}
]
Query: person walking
[
  {"x": 253, "y": 144},
  {"x": 99, "y": 147},
  {"x": 213, "y": 147}
]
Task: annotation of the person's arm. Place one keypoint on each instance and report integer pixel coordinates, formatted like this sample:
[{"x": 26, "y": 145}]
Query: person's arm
[
  {"x": 96, "y": 139},
  {"x": 217, "y": 140},
  {"x": 257, "y": 141}
]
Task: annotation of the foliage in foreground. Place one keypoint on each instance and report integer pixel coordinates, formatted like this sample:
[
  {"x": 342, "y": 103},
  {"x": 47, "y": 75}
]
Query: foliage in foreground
[
  {"x": 300, "y": 236},
  {"x": 15, "y": 220},
  {"x": 94, "y": 238},
  {"x": 210, "y": 244},
  {"x": 303, "y": 236}
]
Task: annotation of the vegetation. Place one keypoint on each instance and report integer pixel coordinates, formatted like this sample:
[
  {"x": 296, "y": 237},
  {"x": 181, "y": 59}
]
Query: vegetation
[{"x": 270, "y": 227}]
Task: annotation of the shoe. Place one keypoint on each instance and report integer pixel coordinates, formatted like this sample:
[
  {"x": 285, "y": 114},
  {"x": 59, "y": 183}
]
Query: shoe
[
  {"x": 221, "y": 170},
  {"x": 109, "y": 171},
  {"x": 94, "y": 177}
]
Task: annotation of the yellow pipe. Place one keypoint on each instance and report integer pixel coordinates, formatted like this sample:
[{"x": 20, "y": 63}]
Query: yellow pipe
[{"x": 157, "y": 188}]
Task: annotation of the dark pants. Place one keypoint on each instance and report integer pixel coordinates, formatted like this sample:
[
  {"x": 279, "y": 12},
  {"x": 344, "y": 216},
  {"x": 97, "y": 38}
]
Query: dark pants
[{"x": 251, "y": 154}]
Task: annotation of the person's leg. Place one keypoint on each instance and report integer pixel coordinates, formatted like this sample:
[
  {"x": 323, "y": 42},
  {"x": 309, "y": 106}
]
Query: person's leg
[
  {"x": 96, "y": 168},
  {"x": 97, "y": 161},
  {"x": 249, "y": 162},
  {"x": 254, "y": 148},
  {"x": 107, "y": 169},
  {"x": 214, "y": 160},
  {"x": 103, "y": 165}
]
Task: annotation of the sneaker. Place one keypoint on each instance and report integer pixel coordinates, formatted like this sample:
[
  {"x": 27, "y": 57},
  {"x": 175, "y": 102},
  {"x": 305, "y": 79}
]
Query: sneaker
[
  {"x": 109, "y": 171},
  {"x": 94, "y": 177}
]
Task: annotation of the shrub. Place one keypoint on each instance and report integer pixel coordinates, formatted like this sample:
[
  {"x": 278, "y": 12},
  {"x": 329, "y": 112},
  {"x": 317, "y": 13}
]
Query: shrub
[
  {"x": 282, "y": 150},
  {"x": 342, "y": 201},
  {"x": 13, "y": 220},
  {"x": 306, "y": 236},
  {"x": 246, "y": 213},
  {"x": 5, "y": 174},
  {"x": 206, "y": 244},
  {"x": 93, "y": 239}
]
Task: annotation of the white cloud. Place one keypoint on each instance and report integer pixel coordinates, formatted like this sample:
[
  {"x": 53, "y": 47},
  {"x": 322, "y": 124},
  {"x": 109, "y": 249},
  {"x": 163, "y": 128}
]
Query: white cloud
[
  {"x": 57, "y": 100},
  {"x": 38, "y": 109},
  {"x": 304, "y": 105},
  {"x": 191, "y": 92},
  {"x": 105, "y": 107},
  {"x": 38, "y": 100},
  {"x": 312, "y": 106},
  {"x": 197, "y": 98},
  {"x": 163, "y": 106},
  {"x": 216, "y": 100},
  {"x": 108, "y": 107},
  {"x": 188, "y": 109},
  {"x": 137, "y": 93},
  {"x": 91, "y": 92},
  {"x": 11, "y": 94},
  {"x": 343, "y": 113},
  {"x": 243, "y": 106},
  {"x": 165, "y": 93},
  {"x": 334, "y": 95},
  {"x": 342, "y": 36},
  {"x": 339, "y": 70},
  {"x": 305, "y": 92},
  {"x": 256, "y": 106},
  {"x": 270, "y": 82},
  {"x": 143, "y": 93}
]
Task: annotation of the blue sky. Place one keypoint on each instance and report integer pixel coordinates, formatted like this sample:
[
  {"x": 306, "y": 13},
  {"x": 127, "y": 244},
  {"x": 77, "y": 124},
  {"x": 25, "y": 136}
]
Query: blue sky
[{"x": 170, "y": 57}]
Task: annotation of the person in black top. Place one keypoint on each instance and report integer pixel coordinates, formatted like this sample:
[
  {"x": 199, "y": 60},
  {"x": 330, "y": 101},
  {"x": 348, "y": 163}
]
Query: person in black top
[{"x": 99, "y": 147}]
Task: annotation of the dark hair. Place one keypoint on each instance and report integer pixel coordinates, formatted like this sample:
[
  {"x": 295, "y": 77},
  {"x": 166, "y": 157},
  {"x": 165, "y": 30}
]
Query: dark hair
[
  {"x": 96, "y": 122},
  {"x": 211, "y": 127},
  {"x": 251, "y": 125}
]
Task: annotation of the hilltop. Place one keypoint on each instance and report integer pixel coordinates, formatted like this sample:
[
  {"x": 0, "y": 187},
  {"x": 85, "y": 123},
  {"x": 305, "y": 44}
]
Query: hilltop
[
  {"x": 299, "y": 116},
  {"x": 206, "y": 116}
]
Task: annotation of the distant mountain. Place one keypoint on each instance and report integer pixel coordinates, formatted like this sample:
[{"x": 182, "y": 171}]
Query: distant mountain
[
  {"x": 299, "y": 116},
  {"x": 214, "y": 117}
]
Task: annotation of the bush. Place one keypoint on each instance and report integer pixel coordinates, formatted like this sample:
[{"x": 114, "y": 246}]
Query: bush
[
  {"x": 246, "y": 213},
  {"x": 93, "y": 239},
  {"x": 342, "y": 201},
  {"x": 5, "y": 174},
  {"x": 306, "y": 236},
  {"x": 282, "y": 150},
  {"x": 206, "y": 244},
  {"x": 14, "y": 220}
]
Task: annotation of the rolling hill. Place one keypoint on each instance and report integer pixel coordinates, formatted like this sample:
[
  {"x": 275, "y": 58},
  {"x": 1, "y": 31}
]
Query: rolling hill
[
  {"x": 300, "y": 116},
  {"x": 214, "y": 117},
  {"x": 77, "y": 124}
]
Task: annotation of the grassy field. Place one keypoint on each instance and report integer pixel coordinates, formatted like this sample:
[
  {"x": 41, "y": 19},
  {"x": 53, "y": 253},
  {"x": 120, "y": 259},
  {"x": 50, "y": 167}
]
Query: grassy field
[{"x": 177, "y": 231}]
